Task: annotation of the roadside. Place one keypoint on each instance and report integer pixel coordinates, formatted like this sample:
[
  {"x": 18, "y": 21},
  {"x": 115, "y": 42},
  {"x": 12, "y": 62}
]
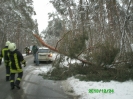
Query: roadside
[
  {"x": 68, "y": 89},
  {"x": 36, "y": 87}
]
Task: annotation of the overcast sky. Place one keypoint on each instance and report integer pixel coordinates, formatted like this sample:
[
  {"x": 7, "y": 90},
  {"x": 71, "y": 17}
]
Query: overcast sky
[{"x": 42, "y": 8}]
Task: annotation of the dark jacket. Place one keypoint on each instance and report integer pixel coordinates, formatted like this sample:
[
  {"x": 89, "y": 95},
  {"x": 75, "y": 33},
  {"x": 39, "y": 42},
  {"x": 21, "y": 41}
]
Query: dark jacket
[
  {"x": 34, "y": 49},
  {"x": 15, "y": 60}
]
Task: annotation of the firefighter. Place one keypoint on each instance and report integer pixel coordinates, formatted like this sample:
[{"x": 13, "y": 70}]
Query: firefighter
[
  {"x": 16, "y": 60},
  {"x": 3, "y": 54},
  {"x": 27, "y": 50}
]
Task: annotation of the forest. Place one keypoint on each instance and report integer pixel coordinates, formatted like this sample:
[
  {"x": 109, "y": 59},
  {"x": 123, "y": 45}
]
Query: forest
[
  {"x": 96, "y": 32},
  {"x": 16, "y": 23}
]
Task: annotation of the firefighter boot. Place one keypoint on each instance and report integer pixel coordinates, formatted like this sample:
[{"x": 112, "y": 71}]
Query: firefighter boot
[
  {"x": 17, "y": 84},
  {"x": 12, "y": 85}
]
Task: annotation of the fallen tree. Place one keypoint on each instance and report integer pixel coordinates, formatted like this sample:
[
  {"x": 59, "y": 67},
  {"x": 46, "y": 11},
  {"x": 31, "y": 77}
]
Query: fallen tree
[{"x": 54, "y": 49}]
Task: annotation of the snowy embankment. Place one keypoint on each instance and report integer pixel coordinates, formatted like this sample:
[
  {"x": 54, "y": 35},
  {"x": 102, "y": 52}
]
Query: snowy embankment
[
  {"x": 94, "y": 90},
  {"x": 119, "y": 90},
  {"x": 99, "y": 90}
]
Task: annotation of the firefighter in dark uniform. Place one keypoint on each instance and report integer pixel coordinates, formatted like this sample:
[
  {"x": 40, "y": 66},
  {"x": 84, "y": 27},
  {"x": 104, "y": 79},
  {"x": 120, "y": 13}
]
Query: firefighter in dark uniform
[
  {"x": 16, "y": 60},
  {"x": 3, "y": 54},
  {"x": 27, "y": 50}
]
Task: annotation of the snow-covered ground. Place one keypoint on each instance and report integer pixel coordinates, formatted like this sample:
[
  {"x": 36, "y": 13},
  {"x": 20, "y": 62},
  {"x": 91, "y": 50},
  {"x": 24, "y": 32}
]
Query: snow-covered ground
[
  {"x": 87, "y": 90},
  {"x": 116, "y": 90}
]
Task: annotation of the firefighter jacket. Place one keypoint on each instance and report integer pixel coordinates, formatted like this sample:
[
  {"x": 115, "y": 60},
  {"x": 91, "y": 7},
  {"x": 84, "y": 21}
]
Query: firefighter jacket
[
  {"x": 3, "y": 54},
  {"x": 15, "y": 59},
  {"x": 27, "y": 49}
]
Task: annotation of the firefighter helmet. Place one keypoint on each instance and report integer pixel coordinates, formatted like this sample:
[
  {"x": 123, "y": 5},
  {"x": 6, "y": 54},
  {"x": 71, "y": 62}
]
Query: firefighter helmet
[
  {"x": 7, "y": 43},
  {"x": 12, "y": 46}
]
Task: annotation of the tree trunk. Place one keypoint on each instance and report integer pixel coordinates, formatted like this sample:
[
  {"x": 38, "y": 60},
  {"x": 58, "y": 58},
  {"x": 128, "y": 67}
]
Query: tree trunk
[{"x": 54, "y": 49}]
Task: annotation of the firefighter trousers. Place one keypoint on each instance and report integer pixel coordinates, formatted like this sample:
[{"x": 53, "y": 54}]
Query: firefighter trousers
[
  {"x": 7, "y": 73},
  {"x": 16, "y": 82}
]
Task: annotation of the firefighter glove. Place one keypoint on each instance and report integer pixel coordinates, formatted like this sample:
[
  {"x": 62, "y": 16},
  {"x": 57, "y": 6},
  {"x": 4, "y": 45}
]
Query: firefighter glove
[{"x": 24, "y": 64}]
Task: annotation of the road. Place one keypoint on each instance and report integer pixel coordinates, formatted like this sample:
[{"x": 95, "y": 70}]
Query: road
[{"x": 33, "y": 86}]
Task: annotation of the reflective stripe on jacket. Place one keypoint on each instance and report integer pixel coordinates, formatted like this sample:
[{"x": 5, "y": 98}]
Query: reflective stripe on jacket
[{"x": 3, "y": 54}]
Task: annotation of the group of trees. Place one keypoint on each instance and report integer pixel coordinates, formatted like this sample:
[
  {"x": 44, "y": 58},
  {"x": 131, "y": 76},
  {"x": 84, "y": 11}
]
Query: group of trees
[
  {"x": 80, "y": 26},
  {"x": 96, "y": 32},
  {"x": 16, "y": 23}
]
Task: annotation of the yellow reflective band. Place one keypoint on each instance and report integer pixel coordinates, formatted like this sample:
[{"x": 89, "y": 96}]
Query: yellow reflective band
[
  {"x": 18, "y": 78},
  {"x": 10, "y": 64},
  {"x": 16, "y": 71},
  {"x": 8, "y": 54},
  {"x": 3, "y": 51},
  {"x": 16, "y": 61},
  {"x": 23, "y": 61},
  {"x": 3, "y": 54},
  {"x": 11, "y": 80},
  {"x": 7, "y": 74}
]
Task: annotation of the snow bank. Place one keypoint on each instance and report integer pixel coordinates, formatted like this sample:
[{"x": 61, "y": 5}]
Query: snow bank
[{"x": 122, "y": 90}]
